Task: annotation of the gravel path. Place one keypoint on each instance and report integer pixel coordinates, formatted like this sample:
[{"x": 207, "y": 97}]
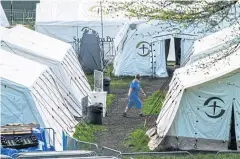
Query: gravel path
[{"x": 119, "y": 127}]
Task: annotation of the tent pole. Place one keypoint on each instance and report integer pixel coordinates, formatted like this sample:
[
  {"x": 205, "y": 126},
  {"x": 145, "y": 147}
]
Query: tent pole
[{"x": 102, "y": 30}]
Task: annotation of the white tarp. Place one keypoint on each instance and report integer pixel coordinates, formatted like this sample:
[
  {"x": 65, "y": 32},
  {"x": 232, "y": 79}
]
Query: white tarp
[
  {"x": 216, "y": 41},
  {"x": 3, "y": 19},
  {"x": 197, "y": 111},
  {"x": 65, "y": 20},
  {"x": 171, "y": 54},
  {"x": 59, "y": 56},
  {"x": 29, "y": 94}
]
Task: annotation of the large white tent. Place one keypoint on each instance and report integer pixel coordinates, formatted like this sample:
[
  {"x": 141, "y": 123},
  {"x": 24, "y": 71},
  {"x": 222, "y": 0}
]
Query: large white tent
[
  {"x": 58, "y": 55},
  {"x": 201, "y": 110},
  {"x": 140, "y": 47},
  {"x": 145, "y": 47},
  {"x": 29, "y": 94},
  {"x": 65, "y": 20},
  {"x": 218, "y": 40},
  {"x": 3, "y": 19}
]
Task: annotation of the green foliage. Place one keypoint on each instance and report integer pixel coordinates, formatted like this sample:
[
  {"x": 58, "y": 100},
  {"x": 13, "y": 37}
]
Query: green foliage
[
  {"x": 137, "y": 140},
  {"x": 86, "y": 132},
  {"x": 153, "y": 104},
  {"x": 110, "y": 99},
  {"x": 181, "y": 11},
  {"x": 108, "y": 71},
  {"x": 90, "y": 79}
]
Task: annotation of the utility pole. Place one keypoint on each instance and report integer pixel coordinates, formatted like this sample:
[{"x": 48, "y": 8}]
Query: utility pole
[{"x": 102, "y": 30}]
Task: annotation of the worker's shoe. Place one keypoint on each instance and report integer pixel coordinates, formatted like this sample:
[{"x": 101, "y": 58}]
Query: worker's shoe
[
  {"x": 141, "y": 115},
  {"x": 124, "y": 114}
]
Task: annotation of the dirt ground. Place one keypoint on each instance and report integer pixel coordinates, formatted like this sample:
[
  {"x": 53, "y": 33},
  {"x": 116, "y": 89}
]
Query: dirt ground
[{"x": 118, "y": 127}]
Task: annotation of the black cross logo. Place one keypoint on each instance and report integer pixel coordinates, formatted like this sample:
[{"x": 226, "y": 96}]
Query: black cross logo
[
  {"x": 143, "y": 48},
  {"x": 214, "y": 106}
]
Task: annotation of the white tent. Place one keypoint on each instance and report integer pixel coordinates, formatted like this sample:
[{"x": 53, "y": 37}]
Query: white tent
[
  {"x": 140, "y": 47},
  {"x": 202, "y": 105},
  {"x": 29, "y": 94},
  {"x": 3, "y": 19},
  {"x": 65, "y": 20},
  {"x": 143, "y": 48},
  {"x": 59, "y": 56},
  {"x": 218, "y": 40}
]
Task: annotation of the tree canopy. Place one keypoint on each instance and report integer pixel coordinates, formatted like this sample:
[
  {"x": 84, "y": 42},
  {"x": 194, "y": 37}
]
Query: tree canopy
[{"x": 209, "y": 11}]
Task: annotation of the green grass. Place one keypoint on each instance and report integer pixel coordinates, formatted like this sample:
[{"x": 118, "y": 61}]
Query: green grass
[
  {"x": 116, "y": 82},
  {"x": 195, "y": 155},
  {"x": 171, "y": 63},
  {"x": 90, "y": 78},
  {"x": 110, "y": 99},
  {"x": 121, "y": 82},
  {"x": 86, "y": 132},
  {"x": 153, "y": 104},
  {"x": 158, "y": 157},
  {"x": 137, "y": 140}
]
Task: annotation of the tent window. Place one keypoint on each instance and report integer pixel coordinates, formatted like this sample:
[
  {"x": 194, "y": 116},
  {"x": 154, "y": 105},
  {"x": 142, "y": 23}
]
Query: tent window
[{"x": 233, "y": 142}]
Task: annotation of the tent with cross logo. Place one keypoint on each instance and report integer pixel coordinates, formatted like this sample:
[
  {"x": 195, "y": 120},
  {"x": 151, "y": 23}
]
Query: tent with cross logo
[
  {"x": 201, "y": 109},
  {"x": 58, "y": 55},
  {"x": 147, "y": 47},
  {"x": 30, "y": 94},
  {"x": 144, "y": 47}
]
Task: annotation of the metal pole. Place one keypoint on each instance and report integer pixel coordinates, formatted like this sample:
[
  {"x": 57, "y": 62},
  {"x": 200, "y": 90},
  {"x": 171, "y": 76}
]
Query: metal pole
[
  {"x": 152, "y": 61},
  {"x": 102, "y": 29},
  {"x": 11, "y": 15}
]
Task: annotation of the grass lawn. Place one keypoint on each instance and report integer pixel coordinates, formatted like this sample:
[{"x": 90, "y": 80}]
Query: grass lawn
[
  {"x": 195, "y": 156},
  {"x": 86, "y": 132},
  {"x": 153, "y": 104},
  {"x": 137, "y": 142},
  {"x": 110, "y": 99},
  {"x": 171, "y": 63}
]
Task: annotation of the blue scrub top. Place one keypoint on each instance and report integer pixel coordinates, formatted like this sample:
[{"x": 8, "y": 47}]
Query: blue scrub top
[
  {"x": 135, "y": 85},
  {"x": 134, "y": 96}
]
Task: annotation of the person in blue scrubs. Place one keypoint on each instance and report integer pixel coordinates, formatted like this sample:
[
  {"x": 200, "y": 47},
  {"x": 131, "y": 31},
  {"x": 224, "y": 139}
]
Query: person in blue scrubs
[{"x": 134, "y": 96}]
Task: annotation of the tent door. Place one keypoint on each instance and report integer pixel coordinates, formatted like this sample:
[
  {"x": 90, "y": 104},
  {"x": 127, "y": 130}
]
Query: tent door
[
  {"x": 174, "y": 48},
  {"x": 177, "y": 42},
  {"x": 167, "y": 45},
  {"x": 233, "y": 142}
]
